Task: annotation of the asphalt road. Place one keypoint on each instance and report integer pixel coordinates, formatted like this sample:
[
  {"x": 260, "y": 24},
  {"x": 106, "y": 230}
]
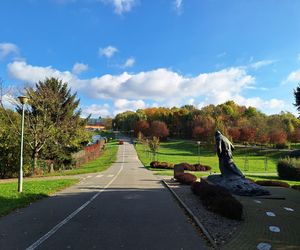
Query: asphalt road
[{"x": 125, "y": 207}]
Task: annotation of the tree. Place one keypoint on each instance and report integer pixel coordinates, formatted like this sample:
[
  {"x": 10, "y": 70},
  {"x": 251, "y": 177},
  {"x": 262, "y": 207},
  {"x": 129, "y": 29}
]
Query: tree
[
  {"x": 297, "y": 98},
  {"x": 142, "y": 127},
  {"x": 278, "y": 137},
  {"x": 159, "y": 129},
  {"x": 53, "y": 121},
  {"x": 153, "y": 145}
]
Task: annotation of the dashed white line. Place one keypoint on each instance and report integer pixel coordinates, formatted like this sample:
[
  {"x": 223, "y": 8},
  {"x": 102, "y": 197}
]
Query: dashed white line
[
  {"x": 289, "y": 209},
  {"x": 110, "y": 175},
  {"x": 264, "y": 246},
  {"x": 68, "y": 218},
  {"x": 271, "y": 214},
  {"x": 99, "y": 175},
  {"x": 89, "y": 176},
  {"x": 257, "y": 201},
  {"x": 274, "y": 229}
]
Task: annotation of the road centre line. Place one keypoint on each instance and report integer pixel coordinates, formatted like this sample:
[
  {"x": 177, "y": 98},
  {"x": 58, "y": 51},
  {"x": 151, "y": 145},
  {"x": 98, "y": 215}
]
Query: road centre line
[{"x": 68, "y": 218}]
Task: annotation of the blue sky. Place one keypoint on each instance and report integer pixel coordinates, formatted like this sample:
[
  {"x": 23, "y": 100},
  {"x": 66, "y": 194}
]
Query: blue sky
[{"x": 127, "y": 54}]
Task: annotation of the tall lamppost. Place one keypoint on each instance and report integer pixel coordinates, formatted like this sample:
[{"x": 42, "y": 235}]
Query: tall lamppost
[
  {"x": 198, "y": 143},
  {"x": 23, "y": 100}
]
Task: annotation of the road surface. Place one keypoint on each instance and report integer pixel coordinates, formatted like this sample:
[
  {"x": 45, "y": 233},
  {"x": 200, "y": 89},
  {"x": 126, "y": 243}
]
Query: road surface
[{"x": 124, "y": 207}]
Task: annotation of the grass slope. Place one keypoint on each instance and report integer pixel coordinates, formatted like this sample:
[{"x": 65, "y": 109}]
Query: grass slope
[
  {"x": 103, "y": 162},
  {"x": 33, "y": 190}
]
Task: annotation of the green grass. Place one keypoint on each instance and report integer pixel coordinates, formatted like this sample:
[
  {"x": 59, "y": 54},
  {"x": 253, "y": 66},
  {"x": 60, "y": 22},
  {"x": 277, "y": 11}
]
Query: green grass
[
  {"x": 187, "y": 151},
  {"x": 33, "y": 190},
  {"x": 102, "y": 163}
]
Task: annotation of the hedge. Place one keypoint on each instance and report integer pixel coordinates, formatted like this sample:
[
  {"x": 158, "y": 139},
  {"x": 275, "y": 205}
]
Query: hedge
[
  {"x": 186, "y": 178},
  {"x": 289, "y": 169},
  {"x": 218, "y": 200}
]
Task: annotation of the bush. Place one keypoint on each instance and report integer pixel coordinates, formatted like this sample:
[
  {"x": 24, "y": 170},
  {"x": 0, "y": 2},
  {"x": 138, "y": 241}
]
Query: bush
[
  {"x": 273, "y": 183},
  {"x": 289, "y": 169},
  {"x": 163, "y": 165},
  {"x": 218, "y": 200},
  {"x": 195, "y": 167},
  {"x": 186, "y": 178}
]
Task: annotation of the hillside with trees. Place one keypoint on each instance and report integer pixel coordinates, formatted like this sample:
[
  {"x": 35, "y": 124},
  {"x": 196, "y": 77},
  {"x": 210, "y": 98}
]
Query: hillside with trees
[{"x": 241, "y": 124}]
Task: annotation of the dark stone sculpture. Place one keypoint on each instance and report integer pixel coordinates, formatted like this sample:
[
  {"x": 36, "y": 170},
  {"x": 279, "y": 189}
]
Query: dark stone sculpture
[{"x": 231, "y": 177}]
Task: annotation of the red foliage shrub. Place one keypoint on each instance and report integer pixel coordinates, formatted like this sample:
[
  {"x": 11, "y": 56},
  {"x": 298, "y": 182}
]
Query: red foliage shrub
[
  {"x": 218, "y": 200},
  {"x": 121, "y": 142},
  {"x": 273, "y": 183},
  {"x": 194, "y": 167},
  {"x": 163, "y": 165},
  {"x": 186, "y": 178}
]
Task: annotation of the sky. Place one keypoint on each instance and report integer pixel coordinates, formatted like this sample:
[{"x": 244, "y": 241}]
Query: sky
[{"x": 123, "y": 55}]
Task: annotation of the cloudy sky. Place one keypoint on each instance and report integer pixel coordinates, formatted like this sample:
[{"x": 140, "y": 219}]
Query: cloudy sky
[{"x": 127, "y": 54}]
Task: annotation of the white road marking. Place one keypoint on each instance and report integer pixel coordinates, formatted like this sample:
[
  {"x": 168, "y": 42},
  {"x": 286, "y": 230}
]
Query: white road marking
[
  {"x": 289, "y": 209},
  {"x": 89, "y": 176},
  {"x": 99, "y": 175},
  {"x": 110, "y": 175},
  {"x": 257, "y": 201},
  {"x": 68, "y": 218},
  {"x": 264, "y": 246},
  {"x": 271, "y": 214},
  {"x": 274, "y": 229}
]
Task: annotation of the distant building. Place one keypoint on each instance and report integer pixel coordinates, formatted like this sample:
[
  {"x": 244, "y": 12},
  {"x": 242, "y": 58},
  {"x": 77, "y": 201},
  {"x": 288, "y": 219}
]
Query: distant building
[{"x": 95, "y": 127}]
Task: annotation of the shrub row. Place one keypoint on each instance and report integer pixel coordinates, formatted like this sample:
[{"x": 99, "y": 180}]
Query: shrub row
[
  {"x": 163, "y": 165},
  {"x": 187, "y": 166},
  {"x": 186, "y": 178},
  {"x": 218, "y": 200},
  {"x": 289, "y": 169}
]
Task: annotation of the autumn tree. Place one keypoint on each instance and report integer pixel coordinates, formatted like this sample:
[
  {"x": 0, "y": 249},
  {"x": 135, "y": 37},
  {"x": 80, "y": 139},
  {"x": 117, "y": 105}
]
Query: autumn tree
[
  {"x": 278, "y": 137},
  {"x": 142, "y": 127},
  {"x": 159, "y": 129}
]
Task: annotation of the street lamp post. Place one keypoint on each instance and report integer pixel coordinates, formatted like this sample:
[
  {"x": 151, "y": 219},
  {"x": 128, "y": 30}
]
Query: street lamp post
[
  {"x": 198, "y": 143},
  {"x": 23, "y": 100}
]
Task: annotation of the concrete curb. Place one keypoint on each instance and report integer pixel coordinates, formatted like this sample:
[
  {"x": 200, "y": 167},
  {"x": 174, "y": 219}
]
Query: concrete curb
[{"x": 191, "y": 214}]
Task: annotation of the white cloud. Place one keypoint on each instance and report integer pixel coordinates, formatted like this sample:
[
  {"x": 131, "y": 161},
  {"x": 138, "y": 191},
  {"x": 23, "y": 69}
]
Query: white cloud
[
  {"x": 161, "y": 86},
  {"x": 293, "y": 76},
  {"x": 178, "y": 5},
  {"x": 96, "y": 110},
  {"x": 262, "y": 63},
  {"x": 129, "y": 62},
  {"x": 108, "y": 52},
  {"x": 7, "y": 49},
  {"x": 79, "y": 68},
  {"x": 122, "y": 105},
  {"x": 121, "y": 6}
]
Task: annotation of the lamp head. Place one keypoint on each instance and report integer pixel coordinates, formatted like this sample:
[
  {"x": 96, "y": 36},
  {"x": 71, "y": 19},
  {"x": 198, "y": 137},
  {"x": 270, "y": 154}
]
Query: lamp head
[{"x": 23, "y": 99}]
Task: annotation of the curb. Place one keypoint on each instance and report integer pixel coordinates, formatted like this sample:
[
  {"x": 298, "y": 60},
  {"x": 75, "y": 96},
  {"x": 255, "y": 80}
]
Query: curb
[{"x": 191, "y": 214}]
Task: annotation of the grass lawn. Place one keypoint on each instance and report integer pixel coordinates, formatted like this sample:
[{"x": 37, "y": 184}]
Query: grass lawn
[
  {"x": 103, "y": 162},
  {"x": 248, "y": 160},
  {"x": 33, "y": 190},
  {"x": 252, "y": 161}
]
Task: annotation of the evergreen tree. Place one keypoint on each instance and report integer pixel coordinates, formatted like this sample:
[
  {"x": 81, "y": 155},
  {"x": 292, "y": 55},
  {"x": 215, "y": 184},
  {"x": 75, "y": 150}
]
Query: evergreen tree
[{"x": 297, "y": 98}]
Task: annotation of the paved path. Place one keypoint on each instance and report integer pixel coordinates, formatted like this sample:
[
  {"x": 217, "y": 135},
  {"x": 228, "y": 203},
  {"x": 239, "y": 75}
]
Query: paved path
[
  {"x": 269, "y": 223},
  {"x": 124, "y": 207}
]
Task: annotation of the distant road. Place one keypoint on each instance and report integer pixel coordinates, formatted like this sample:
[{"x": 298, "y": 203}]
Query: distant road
[{"x": 125, "y": 207}]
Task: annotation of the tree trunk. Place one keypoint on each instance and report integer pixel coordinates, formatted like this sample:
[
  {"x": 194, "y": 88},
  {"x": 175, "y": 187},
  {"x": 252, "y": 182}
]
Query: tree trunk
[{"x": 35, "y": 160}]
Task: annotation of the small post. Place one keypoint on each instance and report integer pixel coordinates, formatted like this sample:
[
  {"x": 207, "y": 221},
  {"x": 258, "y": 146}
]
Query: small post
[{"x": 198, "y": 143}]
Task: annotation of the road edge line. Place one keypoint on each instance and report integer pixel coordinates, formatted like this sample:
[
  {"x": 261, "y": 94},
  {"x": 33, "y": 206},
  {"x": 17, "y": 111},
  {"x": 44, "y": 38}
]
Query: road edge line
[{"x": 193, "y": 216}]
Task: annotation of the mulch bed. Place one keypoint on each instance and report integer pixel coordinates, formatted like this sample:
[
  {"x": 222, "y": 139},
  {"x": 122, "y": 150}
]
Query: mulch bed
[{"x": 220, "y": 228}]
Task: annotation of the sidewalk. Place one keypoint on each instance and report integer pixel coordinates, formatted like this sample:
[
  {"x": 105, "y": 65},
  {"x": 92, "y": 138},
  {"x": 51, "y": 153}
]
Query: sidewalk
[{"x": 274, "y": 222}]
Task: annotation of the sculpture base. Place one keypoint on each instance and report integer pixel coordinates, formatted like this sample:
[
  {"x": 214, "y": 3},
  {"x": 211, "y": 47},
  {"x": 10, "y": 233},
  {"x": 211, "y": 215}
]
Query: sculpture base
[{"x": 238, "y": 185}]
